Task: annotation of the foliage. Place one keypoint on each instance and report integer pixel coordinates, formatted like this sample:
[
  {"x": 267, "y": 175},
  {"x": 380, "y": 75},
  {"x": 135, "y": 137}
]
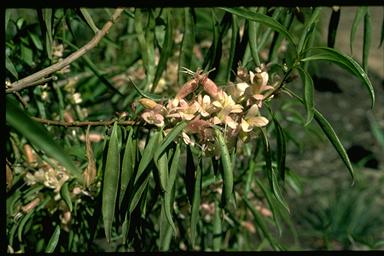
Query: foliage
[{"x": 190, "y": 150}]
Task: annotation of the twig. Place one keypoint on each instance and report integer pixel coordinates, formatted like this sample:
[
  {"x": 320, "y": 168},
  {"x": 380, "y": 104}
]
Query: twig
[
  {"x": 27, "y": 81},
  {"x": 84, "y": 123},
  {"x": 40, "y": 82}
]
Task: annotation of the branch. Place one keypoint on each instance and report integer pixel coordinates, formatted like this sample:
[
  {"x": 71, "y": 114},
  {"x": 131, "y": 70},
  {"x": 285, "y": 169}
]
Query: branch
[
  {"x": 84, "y": 123},
  {"x": 29, "y": 80}
]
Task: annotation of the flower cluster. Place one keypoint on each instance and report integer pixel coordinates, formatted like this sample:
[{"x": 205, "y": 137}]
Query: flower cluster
[{"x": 237, "y": 108}]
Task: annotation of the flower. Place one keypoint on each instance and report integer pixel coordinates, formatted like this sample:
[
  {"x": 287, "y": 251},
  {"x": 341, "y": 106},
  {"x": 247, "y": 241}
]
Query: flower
[
  {"x": 227, "y": 106},
  {"x": 253, "y": 119},
  {"x": 153, "y": 117},
  {"x": 182, "y": 109},
  {"x": 204, "y": 105}
]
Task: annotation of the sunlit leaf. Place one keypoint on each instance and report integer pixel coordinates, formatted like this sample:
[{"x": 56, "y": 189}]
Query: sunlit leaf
[
  {"x": 324, "y": 53},
  {"x": 88, "y": 18},
  {"x": 308, "y": 94},
  {"x": 171, "y": 136},
  {"x": 53, "y": 240}
]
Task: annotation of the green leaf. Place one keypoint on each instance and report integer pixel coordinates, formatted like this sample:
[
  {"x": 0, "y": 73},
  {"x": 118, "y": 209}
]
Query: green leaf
[
  {"x": 148, "y": 153},
  {"x": 252, "y": 34},
  {"x": 65, "y": 195},
  {"x": 171, "y": 183},
  {"x": 166, "y": 50},
  {"x": 128, "y": 165},
  {"x": 260, "y": 223},
  {"x": 88, "y": 18},
  {"x": 165, "y": 229},
  {"x": 23, "y": 221},
  {"x": 171, "y": 136},
  {"x": 367, "y": 39},
  {"x": 53, "y": 240},
  {"x": 7, "y": 16},
  {"x": 324, "y": 53},
  {"x": 263, "y": 19},
  {"x": 38, "y": 136},
  {"x": 360, "y": 13},
  {"x": 162, "y": 167},
  {"x": 36, "y": 41},
  {"x": 309, "y": 28},
  {"x": 26, "y": 54},
  {"x": 217, "y": 229},
  {"x": 308, "y": 94},
  {"x": 234, "y": 43},
  {"x": 281, "y": 148},
  {"x": 144, "y": 94},
  {"x": 47, "y": 17},
  {"x": 331, "y": 135},
  {"x": 195, "y": 212},
  {"x": 10, "y": 67},
  {"x": 227, "y": 169},
  {"x": 186, "y": 50},
  {"x": 111, "y": 181},
  {"x": 332, "y": 27}
]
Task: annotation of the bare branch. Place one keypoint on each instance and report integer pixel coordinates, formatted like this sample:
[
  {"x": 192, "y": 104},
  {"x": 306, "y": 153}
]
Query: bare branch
[
  {"x": 84, "y": 123},
  {"x": 29, "y": 80}
]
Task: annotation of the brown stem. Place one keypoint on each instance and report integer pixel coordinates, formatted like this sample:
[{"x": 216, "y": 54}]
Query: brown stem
[
  {"x": 29, "y": 80},
  {"x": 84, "y": 123}
]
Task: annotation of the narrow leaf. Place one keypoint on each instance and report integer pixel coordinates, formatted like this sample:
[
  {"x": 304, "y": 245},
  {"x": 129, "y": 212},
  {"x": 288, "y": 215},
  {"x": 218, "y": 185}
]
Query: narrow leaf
[
  {"x": 166, "y": 50},
  {"x": 111, "y": 182},
  {"x": 309, "y": 28},
  {"x": 65, "y": 195},
  {"x": 144, "y": 94},
  {"x": 234, "y": 43},
  {"x": 263, "y": 19},
  {"x": 53, "y": 240},
  {"x": 10, "y": 67},
  {"x": 331, "y": 135},
  {"x": 195, "y": 212},
  {"x": 128, "y": 165},
  {"x": 36, "y": 40},
  {"x": 360, "y": 13},
  {"x": 252, "y": 31},
  {"x": 89, "y": 20},
  {"x": 217, "y": 228},
  {"x": 162, "y": 168},
  {"x": 47, "y": 17},
  {"x": 332, "y": 27},
  {"x": 281, "y": 148},
  {"x": 308, "y": 94},
  {"x": 171, "y": 183},
  {"x": 367, "y": 39},
  {"x": 38, "y": 136},
  {"x": 324, "y": 53},
  {"x": 227, "y": 169},
  {"x": 171, "y": 136},
  {"x": 186, "y": 50}
]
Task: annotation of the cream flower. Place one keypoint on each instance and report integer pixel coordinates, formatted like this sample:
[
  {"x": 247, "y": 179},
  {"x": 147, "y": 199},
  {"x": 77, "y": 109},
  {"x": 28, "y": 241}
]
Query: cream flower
[
  {"x": 253, "y": 119},
  {"x": 184, "y": 111},
  {"x": 204, "y": 106},
  {"x": 153, "y": 117}
]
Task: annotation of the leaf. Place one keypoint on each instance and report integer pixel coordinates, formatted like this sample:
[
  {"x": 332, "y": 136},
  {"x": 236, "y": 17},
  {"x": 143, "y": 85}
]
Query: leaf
[
  {"x": 88, "y": 18},
  {"x": 186, "y": 50},
  {"x": 162, "y": 167},
  {"x": 217, "y": 229},
  {"x": 171, "y": 183},
  {"x": 6, "y": 18},
  {"x": 26, "y": 54},
  {"x": 53, "y": 240},
  {"x": 65, "y": 195},
  {"x": 260, "y": 223},
  {"x": 23, "y": 221},
  {"x": 263, "y": 19},
  {"x": 227, "y": 169},
  {"x": 38, "y": 136},
  {"x": 252, "y": 34},
  {"x": 166, "y": 50},
  {"x": 367, "y": 39},
  {"x": 111, "y": 182},
  {"x": 309, "y": 29},
  {"x": 195, "y": 212},
  {"x": 331, "y": 135},
  {"x": 189, "y": 177},
  {"x": 151, "y": 96},
  {"x": 332, "y": 27},
  {"x": 36, "y": 40},
  {"x": 234, "y": 43},
  {"x": 128, "y": 165},
  {"x": 170, "y": 138},
  {"x": 47, "y": 17},
  {"x": 308, "y": 94},
  {"x": 360, "y": 13},
  {"x": 148, "y": 153},
  {"x": 165, "y": 230},
  {"x": 324, "y": 53},
  {"x": 10, "y": 67},
  {"x": 281, "y": 148}
]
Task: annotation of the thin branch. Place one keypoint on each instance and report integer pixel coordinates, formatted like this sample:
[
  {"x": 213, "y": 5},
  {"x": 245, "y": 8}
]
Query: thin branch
[
  {"x": 84, "y": 123},
  {"x": 27, "y": 81}
]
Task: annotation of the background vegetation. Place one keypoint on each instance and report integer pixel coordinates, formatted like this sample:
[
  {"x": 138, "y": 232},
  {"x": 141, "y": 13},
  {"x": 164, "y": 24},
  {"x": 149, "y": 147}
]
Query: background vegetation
[{"x": 87, "y": 172}]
